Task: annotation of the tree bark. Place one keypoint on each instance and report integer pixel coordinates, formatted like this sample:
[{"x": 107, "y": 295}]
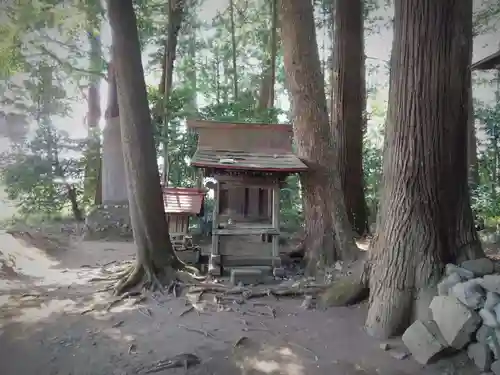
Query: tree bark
[
  {"x": 425, "y": 219},
  {"x": 328, "y": 232},
  {"x": 114, "y": 182},
  {"x": 93, "y": 173},
  {"x": 266, "y": 96},
  {"x": 348, "y": 107},
  {"x": 233, "y": 51},
  {"x": 155, "y": 255},
  {"x": 175, "y": 13}
]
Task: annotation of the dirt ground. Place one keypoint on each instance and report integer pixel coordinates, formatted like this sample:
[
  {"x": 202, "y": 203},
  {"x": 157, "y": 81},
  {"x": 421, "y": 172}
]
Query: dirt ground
[{"x": 46, "y": 326}]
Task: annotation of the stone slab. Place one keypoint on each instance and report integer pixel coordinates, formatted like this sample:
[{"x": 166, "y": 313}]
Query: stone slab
[
  {"x": 454, "y": 320},
  {"x": 246, "y": 276},
  {"x": 463, "y": 273},
  {"x": 495, "y": 368},
  {"x": 480, "y": 267},
  {"x": 492, "y": 299},
  {"x": 469, "y": 293},
  {"x": 447, "y": 283},
  {"x": 421, "y": 341},
  {"x": 108, "y": 222},
  {"x": 491, "y": 283},
  {"x": 481, "y": 355}
]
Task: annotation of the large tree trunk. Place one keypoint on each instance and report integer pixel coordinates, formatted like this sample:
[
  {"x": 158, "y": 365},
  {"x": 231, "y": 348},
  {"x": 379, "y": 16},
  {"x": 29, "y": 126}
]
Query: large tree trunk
[
  {"x": 155, "y": 254},
  {"x": 114, "y": 183},
  {"x": 328, "y": 232},
  {"x": 175, "y": 13},
  {"x": 425, "y": 220},
  {"x": 348, "y": 107}
]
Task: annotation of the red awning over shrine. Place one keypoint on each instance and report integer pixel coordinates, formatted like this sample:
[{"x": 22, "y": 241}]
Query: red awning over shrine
[{"x": 183, "y": 200}]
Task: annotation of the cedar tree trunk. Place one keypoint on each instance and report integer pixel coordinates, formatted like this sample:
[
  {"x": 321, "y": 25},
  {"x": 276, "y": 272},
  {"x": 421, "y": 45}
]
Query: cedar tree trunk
[
  {"x": 425, "y": 219},
  {"x": 328, "y": 232},
  {"x": 348, "y": 107},
  {"x": 155, "y": 255},
  {"x": 93, "y": 172},
  {"x": 114, "y": 183},
  {"x": 175, "y": 13}
]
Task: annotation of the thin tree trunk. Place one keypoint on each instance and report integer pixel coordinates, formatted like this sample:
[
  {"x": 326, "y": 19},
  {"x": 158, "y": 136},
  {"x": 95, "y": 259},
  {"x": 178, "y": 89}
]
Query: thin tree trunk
[
  {"x": 93, "y": 173},
  {"x": 217, "y": 78},
  {"x": 274, "y": 50},
  {"x": 328, "y": 232},
  {"x": 266, "y": 95},
  {"x": 425, "y": 220},
  {"x": 155, "y": 254},
  {"x": 191, "y": 74},
  {"x": 347, "y": 109},
  {"x": 233, "y": 51},
  {"x": 175, "y": 13},
  {"x": 71, "y": 192}
]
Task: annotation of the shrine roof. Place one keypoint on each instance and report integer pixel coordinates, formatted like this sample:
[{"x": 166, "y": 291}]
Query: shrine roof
[
  {"x": 245, "y": 147},
  {"x": 489, "y": 62},
  {"x": 183, "y": 200},
  {"x": 241, "y": 160}
]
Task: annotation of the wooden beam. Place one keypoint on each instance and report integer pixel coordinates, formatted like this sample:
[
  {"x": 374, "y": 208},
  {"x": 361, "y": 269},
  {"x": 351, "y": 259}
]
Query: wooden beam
[
  {"x": 264, "y": 182},
  {"x": 246, "y": 231},
  {"x": 275, "y": 215},
  {"x": 197, "y": 124},
  {"x": 488, "y": 63},
  {"x": 215, "y": 269}
]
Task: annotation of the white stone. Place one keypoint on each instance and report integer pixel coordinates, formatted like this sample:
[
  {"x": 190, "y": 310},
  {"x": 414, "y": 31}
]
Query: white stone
[
  {"x": 480, "y": 267},
  {"x": 483, "y": 333},
  {"x": 246, "y": 276},
  {"x": 492, "y": 299},
  {"x": 422, "y": 343},
  {"x": 496, "y": 311},
  {"x": 491, "y": 283},
  {"x": 469, "y": 293},
  {"x": 463, "y": 273},
  {"x": 495, "y": 368},
  {"x": 481, "y": 355},
  {"x": 455, "y": 321},
  {"x": 447, "y": 283},
  {"x": 489, "y": 318},
  {"x": 492, "y": 340}
]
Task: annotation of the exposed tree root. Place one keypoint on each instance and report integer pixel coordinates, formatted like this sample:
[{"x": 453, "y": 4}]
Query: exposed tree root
[
  {"x": 138, "y": 275},
  {"x": 155, "y": 280}
]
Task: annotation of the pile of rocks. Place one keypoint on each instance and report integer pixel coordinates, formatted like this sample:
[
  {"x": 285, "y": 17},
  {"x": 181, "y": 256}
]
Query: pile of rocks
[
  {"x": 465, "y": 316},
  {"x": 108, "y": 221}
]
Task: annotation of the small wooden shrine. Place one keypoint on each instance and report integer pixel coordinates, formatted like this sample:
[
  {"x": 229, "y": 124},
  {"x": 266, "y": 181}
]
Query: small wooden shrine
[
  {"x": 491, "y": 62},
  {"x": 249, "y": 163},
  {"x": 180, "y": 205}
]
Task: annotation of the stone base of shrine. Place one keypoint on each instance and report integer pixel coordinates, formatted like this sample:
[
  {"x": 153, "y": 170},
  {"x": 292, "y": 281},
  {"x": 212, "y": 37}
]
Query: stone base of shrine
[{"x": 109, "y": 221}]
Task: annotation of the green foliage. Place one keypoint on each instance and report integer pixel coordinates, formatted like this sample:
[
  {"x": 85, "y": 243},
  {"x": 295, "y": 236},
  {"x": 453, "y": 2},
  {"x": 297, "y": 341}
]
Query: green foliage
[
  {"x": 486, "y": 201},
  {"x": 47, "y": 33},
  {"x": 35, "y": 175}
]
